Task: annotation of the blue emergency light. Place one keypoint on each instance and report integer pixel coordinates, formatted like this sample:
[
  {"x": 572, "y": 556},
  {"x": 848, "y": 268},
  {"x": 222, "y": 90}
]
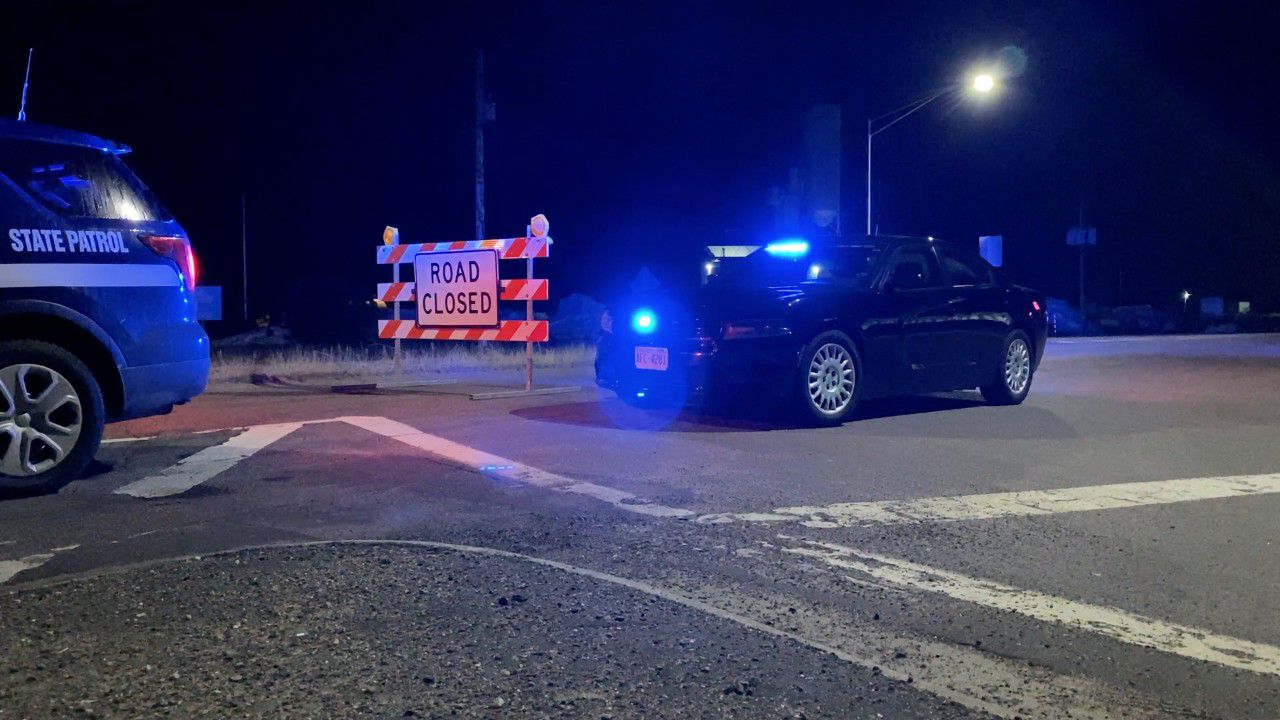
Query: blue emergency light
[
  {"x": 788, "y": 248},
  {"x": 643, "y": 321}
]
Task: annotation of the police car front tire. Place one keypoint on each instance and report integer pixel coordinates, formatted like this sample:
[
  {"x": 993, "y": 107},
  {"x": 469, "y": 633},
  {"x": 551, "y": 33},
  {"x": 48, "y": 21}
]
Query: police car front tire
[
  {"x": 51, "y": 416},
  {"x": 829, "y": 381}
]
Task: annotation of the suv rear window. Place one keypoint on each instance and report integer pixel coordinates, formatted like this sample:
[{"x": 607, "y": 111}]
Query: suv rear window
[{"x": 77, "y": 181}]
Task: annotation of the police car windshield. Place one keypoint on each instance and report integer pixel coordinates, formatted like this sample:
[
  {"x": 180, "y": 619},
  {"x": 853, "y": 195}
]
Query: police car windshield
[
  {"x": 851, "y": 266},
  {"x": 76, "y": 181}
]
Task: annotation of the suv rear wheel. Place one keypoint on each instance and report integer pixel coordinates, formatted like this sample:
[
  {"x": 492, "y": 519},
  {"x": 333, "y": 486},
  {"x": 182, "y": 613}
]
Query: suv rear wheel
[{"x": 51, "y": 416}]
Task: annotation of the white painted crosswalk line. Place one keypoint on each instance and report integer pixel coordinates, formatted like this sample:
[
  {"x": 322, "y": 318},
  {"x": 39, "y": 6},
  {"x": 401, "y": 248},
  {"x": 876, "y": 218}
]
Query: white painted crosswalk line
[
  {"x": 511, "y": 470},
  {"x": 1012, "y": 504},
  {"x": 207, "y": 463},
  {"x": 1127, "y": 627}
]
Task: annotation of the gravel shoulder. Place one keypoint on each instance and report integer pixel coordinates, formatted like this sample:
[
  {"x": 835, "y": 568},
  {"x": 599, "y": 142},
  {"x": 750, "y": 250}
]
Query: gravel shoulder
[{"x": 389, "y": 631}]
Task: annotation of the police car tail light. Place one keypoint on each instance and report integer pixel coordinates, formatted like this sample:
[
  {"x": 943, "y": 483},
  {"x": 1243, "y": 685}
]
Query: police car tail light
[{"x": 178, "y": 250}]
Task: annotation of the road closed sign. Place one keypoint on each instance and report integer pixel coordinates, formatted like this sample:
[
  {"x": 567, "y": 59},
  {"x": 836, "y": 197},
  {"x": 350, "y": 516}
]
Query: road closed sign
[{"x": 457, "y": 289}]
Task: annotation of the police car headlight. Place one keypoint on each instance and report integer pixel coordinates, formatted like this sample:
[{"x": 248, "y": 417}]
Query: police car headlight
[{"x": 745, "y": 329}]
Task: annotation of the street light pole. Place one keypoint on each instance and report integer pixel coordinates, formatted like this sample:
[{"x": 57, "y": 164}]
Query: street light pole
[
  {"x": 983, "y": 83},
  {"x": 894, "y": 117},
  {"x": 869, "y": 136}
]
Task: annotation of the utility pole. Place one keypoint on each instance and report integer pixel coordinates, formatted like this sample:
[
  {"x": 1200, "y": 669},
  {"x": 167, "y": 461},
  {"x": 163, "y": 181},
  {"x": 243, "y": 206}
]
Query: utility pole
[
  {"x": 482, "y": 114},
  {"x": 244, "y": 259},
  {"x": 869, "y": 136}
]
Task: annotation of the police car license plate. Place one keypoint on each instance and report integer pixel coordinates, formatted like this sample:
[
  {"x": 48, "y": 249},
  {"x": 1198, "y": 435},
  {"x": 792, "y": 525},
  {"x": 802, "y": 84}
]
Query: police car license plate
[{"x": 651, "y": 358}]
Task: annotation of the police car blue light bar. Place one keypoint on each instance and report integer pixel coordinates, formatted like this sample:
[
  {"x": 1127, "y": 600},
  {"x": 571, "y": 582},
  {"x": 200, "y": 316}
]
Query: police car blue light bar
[{"x": 790, "y": 247}]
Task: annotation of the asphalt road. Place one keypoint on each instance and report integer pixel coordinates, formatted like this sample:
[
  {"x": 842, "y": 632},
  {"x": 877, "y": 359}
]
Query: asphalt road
[{"x": 1109, "y": 549}]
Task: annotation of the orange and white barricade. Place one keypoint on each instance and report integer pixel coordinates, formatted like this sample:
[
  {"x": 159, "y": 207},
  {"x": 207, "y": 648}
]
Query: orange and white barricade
[{"x": 479, "y": 290}]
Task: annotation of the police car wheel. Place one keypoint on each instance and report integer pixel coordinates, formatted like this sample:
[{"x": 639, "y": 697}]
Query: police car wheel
[
  {"x": 51, "y": 416},
  {"x": 1013, "y": 371},
  {"x": 830, "y": 379}
]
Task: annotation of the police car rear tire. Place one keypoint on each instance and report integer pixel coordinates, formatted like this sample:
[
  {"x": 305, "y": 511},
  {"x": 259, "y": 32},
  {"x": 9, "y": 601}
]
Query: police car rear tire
[
  {"x": 51, "y": 416},
  {"x": 1014, "y": 371},
  {"x": 829, "y": 379}
]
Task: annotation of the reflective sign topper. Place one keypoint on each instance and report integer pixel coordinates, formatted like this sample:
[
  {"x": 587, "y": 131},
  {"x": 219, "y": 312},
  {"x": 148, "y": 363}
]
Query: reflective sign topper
[{"x": 539, "y": 226}]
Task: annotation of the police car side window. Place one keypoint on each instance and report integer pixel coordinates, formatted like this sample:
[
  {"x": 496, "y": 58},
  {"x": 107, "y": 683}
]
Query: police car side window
[
  {"x": 78, "y": 181},
  {"x": 965, "y": 270},
  {"x": 914, "y": 268},
  {"x": 852, "y": 267}
]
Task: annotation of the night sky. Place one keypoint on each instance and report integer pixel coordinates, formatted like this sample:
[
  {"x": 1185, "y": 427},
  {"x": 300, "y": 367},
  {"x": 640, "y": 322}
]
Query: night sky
[{"x": 646, "y": 131}]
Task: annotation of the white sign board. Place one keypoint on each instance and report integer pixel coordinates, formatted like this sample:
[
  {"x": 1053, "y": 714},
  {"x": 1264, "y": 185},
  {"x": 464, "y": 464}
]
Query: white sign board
[
  {"x": 1082, "y": 236},
  {"x": 457, "y": 289}
]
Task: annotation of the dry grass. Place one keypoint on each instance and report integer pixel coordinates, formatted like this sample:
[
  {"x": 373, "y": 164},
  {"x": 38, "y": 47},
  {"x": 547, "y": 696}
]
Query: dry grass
[{"x": 345, "y": 362}]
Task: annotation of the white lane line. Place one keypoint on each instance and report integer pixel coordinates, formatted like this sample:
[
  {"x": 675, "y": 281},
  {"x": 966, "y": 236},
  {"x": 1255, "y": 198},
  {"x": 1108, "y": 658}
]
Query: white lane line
[
  {"x": 511, "y": 470},
  {"x": 1012, "y": 504},
  {"x": 1127, "y": 627},
  {"x": 9, "y": 568},
  {"x": 207, "y": 463}
]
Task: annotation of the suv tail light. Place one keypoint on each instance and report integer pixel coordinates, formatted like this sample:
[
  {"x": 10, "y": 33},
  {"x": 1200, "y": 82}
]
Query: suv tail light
[{"x": 177, "y": 249}]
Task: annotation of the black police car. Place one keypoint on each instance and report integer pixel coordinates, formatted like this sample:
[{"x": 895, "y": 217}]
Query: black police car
[
  {"x": 824, "y": 325},
  {"x": 97, "y": 314}
]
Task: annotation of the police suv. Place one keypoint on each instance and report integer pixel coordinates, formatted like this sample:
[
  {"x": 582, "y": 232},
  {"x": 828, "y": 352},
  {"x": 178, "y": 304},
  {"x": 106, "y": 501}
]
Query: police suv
[{"x": 97, "y": 313}]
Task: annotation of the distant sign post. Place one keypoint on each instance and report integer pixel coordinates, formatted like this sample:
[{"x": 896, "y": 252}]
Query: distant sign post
[{"x": 1082, "y": 237}]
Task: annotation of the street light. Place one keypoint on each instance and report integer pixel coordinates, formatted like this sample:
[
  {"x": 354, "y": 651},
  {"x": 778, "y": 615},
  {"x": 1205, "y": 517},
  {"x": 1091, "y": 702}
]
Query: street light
[
  {"x": 1186, "y": 295},
  {"x": 982, "y": 83}
]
